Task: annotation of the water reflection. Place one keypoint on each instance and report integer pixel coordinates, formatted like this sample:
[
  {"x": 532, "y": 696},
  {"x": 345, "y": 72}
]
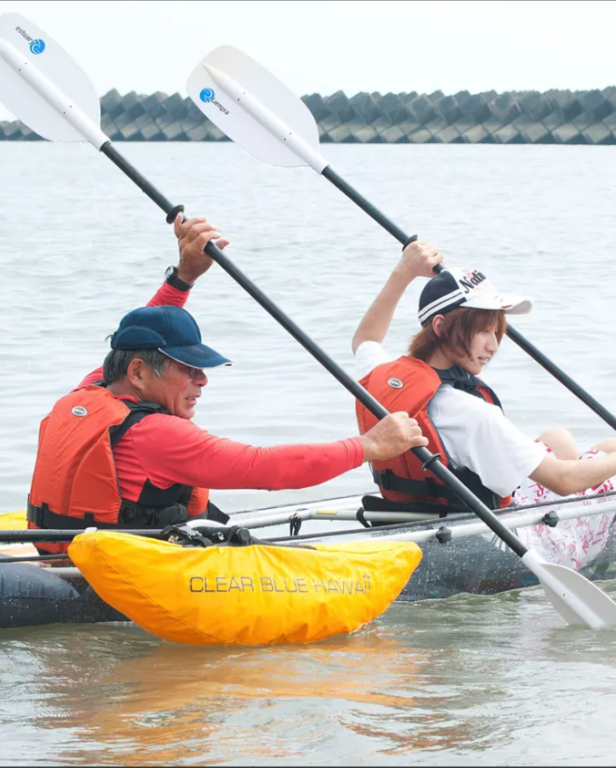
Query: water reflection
[
  {"x": 172, "y": 698},
  {"x": 425, "y": 681},
  {"x": 119, "y": 691}
]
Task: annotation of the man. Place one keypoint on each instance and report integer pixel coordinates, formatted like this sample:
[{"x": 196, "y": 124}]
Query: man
[{"x": 121, "y": 450}]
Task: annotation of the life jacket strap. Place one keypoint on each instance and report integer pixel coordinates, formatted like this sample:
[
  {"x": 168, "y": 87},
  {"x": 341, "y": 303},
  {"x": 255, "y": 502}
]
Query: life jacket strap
[
  {"x": 213, "y": 513},
  {"x": 138, "y": 412},
  {"x": 388, "y": 481},
  {"x": 43, "y": 517},
  {"x": 130, "y": 516}
]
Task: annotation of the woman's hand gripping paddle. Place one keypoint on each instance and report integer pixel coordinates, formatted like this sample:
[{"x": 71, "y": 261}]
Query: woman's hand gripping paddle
[
  {"x": 262, "y": 115},
  {"x": 53, "y": 105}
]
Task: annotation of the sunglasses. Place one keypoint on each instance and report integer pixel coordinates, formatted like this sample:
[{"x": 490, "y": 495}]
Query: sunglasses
[{"x": 193, "y": 373}]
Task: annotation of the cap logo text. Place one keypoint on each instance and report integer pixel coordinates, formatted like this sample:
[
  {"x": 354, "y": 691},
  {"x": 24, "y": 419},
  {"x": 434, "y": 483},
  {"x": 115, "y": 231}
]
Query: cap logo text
[{"x": 471, "y": 280}]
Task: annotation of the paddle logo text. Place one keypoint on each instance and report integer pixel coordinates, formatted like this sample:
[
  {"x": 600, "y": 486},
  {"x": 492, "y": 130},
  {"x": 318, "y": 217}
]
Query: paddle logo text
[
  {"x": 208, "y": 96},
  {"x": 36, "y": 44}
]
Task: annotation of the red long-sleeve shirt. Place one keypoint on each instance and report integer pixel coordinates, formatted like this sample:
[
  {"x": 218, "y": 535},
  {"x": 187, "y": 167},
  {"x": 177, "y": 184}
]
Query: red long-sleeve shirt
[{"x": 168, "y": 450}]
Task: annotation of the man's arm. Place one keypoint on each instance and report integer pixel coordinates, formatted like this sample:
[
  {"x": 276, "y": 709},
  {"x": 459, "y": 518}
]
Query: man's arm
[
  {"x": 418, "y": 260},
  {"x": 173, "y": 450},
  {"x": 193, "y": 235}
]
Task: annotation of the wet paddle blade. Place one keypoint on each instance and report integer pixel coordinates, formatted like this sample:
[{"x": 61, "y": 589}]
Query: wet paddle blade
[
  {"x": 42, "y": 85},
  {"x": 578, "y": 601},
  {"x": 254, "y": 109}
]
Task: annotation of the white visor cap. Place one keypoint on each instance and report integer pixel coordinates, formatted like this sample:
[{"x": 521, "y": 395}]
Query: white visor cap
[{"x": 469, "y": 288}]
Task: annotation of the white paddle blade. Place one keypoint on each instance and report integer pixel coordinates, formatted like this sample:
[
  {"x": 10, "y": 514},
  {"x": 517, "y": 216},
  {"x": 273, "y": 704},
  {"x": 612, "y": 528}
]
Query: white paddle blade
[
  {"x": 579, "y": 601},
  {"x": 255, "y": 109},
  {"x": 42, "y": 85}
]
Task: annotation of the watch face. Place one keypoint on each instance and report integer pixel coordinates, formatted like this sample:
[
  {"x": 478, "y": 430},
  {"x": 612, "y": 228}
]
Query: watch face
[{"x": 169, "y": 271}]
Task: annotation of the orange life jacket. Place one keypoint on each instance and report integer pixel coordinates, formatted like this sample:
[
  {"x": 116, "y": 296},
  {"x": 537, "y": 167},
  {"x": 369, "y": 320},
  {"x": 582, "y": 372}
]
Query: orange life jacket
[
  {"x": 408, "y": 384},
  {"x": 75, "y": 484}
]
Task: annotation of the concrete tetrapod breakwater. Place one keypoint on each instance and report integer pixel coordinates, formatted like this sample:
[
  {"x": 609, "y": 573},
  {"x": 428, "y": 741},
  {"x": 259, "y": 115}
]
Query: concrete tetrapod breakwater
[{"x": 517, "y": 117}]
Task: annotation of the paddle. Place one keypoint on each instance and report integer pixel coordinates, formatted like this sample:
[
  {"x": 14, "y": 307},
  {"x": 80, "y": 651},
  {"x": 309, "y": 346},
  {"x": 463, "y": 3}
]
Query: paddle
[
  {"x": 576, "y": 599},
  {"x": 261, "y": 114},
  {"x": 32, "y": 559}
]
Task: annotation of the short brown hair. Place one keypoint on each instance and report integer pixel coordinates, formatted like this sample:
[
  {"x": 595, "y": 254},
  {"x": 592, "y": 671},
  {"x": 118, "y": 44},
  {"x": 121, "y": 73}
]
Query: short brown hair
[{"x": 457, "y": 332}]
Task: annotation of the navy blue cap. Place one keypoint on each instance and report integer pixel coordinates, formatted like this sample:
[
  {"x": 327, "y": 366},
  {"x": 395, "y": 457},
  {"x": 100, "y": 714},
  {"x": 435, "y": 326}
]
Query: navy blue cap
[{"x": 171, "y": 330}]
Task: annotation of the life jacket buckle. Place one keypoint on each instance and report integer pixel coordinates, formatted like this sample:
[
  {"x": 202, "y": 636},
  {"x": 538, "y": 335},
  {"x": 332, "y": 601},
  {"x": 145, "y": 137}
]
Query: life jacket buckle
[
  {"x": 205, "y": 536},
  {"x": 186, "y": 536}
]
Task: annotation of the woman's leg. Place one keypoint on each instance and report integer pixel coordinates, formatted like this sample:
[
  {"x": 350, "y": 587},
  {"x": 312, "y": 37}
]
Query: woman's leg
[
  {"x": 561, "y": 441},
  {"x": 607, "y": 446}
]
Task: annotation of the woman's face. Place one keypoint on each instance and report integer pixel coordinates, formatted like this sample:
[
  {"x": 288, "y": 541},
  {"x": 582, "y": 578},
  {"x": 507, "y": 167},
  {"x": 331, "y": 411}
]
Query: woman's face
[{"x": 484, "y": 345}]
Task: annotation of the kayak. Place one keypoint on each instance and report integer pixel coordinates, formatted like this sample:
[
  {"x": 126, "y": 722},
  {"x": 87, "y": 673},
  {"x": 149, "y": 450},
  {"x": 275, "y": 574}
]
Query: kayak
[
  {"x": 460, "y": 554},
  {"x": 233, "y": 590},
  {"x": 249, "y": 594},
  {"x": 32, "y": 596}
]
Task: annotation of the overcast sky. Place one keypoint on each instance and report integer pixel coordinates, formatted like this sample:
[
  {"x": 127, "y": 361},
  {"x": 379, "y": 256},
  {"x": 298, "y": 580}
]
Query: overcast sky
[{"x": 351, "y": 45}]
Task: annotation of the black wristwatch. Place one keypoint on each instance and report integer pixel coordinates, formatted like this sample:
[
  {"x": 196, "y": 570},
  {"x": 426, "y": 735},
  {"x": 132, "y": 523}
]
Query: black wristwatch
[{"x": 171, "y": 277}]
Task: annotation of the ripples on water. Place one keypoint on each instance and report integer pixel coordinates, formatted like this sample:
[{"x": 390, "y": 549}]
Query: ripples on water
[
  {"x": 470, "y": 680},
  {"x": 481, "y": 680}
]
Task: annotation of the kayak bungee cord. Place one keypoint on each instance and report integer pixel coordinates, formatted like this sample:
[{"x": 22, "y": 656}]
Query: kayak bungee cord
[
  {"x": 22, "y": 535},
  {"x": 257, "y": 111},
  {"x": 52, "y": 105}
]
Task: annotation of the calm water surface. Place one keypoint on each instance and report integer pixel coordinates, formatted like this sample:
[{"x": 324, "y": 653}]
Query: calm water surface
[{"x": 468, "y": 680}]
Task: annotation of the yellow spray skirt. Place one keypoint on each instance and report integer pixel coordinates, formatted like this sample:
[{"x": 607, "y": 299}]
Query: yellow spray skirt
[{"x": 255, "y": 595}]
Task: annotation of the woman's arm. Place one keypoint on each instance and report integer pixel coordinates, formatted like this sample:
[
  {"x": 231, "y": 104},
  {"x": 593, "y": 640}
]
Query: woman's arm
[
  {"x": 567, "y": 476},
  {"x": 418, "y": 260}
]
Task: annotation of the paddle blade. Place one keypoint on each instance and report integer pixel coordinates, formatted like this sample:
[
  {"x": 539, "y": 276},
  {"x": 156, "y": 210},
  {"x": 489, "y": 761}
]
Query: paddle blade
[
  {"x": 579, "y": 601},
  {"x": 46, "y": 64},
  {"x": 254, "y": 109}
]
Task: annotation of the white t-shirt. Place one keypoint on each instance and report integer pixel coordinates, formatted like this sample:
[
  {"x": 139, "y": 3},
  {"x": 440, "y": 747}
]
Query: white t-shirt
[{"x": 475, "y": 433}]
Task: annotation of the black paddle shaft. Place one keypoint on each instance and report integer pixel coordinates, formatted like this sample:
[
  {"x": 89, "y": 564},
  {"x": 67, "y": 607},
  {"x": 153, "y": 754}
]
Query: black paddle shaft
[
  {"x": 430, "y": 461},
  {"x": 514, "y": 335},
  {"x": 36, "y": 536}
]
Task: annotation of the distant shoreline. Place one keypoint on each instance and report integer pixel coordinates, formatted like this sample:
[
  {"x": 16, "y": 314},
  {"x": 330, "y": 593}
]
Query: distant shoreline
[{"x": 516, "y": 117}]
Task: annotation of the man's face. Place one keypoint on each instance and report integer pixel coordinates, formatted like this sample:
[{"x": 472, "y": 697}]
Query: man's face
[{"x": 177, "y": 389}]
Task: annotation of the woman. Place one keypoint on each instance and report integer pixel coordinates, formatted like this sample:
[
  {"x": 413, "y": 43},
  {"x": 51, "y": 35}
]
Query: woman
[{"x": 463, "y": 321}]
